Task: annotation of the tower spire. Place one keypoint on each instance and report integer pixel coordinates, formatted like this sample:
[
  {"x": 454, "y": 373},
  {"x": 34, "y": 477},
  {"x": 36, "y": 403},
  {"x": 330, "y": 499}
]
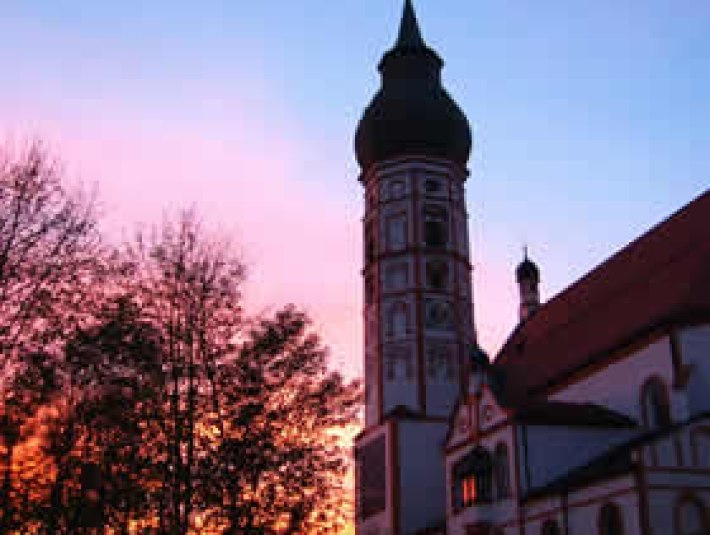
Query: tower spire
[{"x": 410, "y": 36}]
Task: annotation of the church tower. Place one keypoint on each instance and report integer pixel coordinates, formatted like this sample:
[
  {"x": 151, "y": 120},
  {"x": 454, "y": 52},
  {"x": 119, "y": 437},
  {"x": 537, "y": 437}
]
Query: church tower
[{"x": 412, "y": 143}]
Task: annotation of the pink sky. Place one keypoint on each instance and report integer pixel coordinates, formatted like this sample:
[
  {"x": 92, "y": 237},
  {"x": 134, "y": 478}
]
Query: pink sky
[
  {"x": 252, "y": 180},
  {"x": 246, "y": 112}
]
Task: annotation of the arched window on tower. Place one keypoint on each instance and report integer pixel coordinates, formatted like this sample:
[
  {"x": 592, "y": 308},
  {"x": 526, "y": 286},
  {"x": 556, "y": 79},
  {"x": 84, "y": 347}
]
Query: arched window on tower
[
  {"x": 396, "y": 189},
  {"x": 436, "y": 226},
  {"x": 398, "y": 321},
  {"x": 472, "y": 477},
  {"x": 655, "y": 405},
  {"x": 397, "y": 232},
  {"x": 550, "y": 527},
  {"x": 437, "y": 274},
  {"x": 610, "y": 521},
  {"x": 692, "y": 518},
  {"x": 501, "y": 476}
]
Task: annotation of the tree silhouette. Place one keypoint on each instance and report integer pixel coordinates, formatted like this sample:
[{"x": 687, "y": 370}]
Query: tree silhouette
[
  {"x": 33, "y": 385},
  {"x": 117, "y": 366},
  {"x": 136, "y": 393},
  {"x": 48, "y": 250},
  {"x": 189, "y": 283},
  {"x": 279, "y": 459}
]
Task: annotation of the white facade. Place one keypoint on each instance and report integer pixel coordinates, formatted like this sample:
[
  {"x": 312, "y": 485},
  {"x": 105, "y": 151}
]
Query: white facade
[{"x": 667, "y": 468}]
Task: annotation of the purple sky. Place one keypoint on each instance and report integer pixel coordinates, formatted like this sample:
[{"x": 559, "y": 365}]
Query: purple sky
[{"x": 590, "y": 124}]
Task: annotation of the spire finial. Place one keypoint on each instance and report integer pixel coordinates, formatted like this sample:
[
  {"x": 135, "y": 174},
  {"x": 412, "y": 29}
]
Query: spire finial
[
  {"x": 525, "y": 252},
  {"x": 409, "y": 34}
]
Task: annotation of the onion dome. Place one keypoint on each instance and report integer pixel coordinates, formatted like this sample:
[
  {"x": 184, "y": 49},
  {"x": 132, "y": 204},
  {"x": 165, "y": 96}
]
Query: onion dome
[
  {"x": 527, "y": 271},
  {"x": 412, "y": 114}
]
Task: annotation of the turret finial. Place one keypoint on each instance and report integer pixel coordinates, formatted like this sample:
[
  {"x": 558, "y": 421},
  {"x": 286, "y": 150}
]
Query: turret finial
[{"x": 409, "y": 34}]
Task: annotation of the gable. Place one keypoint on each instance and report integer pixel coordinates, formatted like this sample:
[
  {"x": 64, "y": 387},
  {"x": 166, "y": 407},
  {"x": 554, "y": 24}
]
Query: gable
[
  {"x": 475, "y": 416},
  {"x": 490, "y": 413}
]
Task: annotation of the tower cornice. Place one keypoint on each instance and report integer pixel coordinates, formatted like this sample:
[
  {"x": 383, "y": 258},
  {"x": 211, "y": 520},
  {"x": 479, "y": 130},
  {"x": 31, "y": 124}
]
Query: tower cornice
[{"x": 395, "y": 164}]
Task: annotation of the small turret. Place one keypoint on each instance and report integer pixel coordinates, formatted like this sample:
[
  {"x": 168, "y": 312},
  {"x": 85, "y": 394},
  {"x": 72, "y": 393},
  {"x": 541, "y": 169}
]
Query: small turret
[{"x": 528, "y": 277}]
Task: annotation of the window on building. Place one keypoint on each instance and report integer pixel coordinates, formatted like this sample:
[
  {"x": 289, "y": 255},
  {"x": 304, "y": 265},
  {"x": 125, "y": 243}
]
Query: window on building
[
  {"x": 398, "y": 320},
  {"x": 397, "y": 189},
  {"x": 436, "y": 226},
  {"x": 692, "y": 517},
  {"x": 472, "y": 478},
  {"x": 432, "y": 186},
  {"x": 437, "y": 274},
  {"x": 501, "y": 476},
  {"x": 438, "y": 314},
  {"x": 550, "y": 527},
  {"x": 700, "y": 438},
  {"x": 397, "y": 276},
  {"x": 655, "y": 405},
  {"x": 610, "y": 522},
  {"x": 371, "y": 478},
  {"x": 397, "y": 232}
]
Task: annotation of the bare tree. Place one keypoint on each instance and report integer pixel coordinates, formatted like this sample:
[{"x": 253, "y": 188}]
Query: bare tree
[
  {"x": 48, "y": 249},
  {"x": 48, "y": 242},
  {"x": 189, "y": 284},
  {"x": 141, "y": 390}
]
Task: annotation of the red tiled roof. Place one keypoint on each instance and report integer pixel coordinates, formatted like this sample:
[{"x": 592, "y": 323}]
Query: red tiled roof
[{"x": 660, "y": 279}]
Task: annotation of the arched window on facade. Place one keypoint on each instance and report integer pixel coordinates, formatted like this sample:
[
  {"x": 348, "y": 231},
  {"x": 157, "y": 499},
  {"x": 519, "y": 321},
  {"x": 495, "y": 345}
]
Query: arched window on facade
[
  {"x": 472, "y": 477},
  {"x": 692, "y": 517},
  {"x": 655, "y": 404},
  {"x": 436, "y": 226},
  {"x": 502, "y": 471},
  {"x": 550, "y": 527},
  {"x": 610, "y": 521}
]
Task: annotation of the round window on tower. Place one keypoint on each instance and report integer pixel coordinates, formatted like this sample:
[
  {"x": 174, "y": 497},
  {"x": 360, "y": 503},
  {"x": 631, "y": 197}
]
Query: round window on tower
[{"x": 438, "y": 314}]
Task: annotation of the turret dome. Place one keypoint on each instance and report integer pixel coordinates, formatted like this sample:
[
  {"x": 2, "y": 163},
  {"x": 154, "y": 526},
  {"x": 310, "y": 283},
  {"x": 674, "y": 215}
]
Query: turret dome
[
  {"x": 527, "y": 270},
  {"x": 412, "y": 114}
]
